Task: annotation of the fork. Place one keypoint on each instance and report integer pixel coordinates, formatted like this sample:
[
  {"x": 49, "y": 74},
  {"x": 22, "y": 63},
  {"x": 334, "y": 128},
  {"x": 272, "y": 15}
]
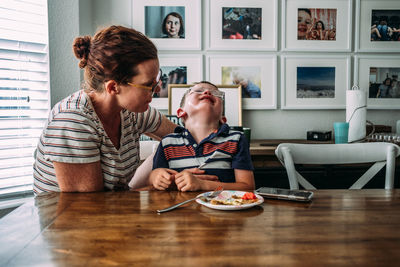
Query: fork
[{"x": 212, "y": 194}]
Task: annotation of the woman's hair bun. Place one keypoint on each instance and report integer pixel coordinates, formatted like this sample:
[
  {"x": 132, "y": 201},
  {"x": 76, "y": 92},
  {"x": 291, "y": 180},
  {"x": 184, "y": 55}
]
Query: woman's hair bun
[{"x": 81, "y": 48}]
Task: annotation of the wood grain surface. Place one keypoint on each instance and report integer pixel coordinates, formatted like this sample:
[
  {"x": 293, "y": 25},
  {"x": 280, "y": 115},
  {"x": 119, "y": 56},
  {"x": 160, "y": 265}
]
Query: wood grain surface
[{"x": 340, "y": 227}]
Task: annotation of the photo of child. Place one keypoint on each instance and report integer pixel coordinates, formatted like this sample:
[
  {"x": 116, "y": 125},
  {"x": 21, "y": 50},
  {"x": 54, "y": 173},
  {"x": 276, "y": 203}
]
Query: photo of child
[
  {"x": 241, "y": 23},
  {"x": 316, "y": 24},
  {"x": 385, "y": 25},
  {"x": 248, "y": 77},
  {"x": 171, "y": 75},
  {"x": 164, "y": 21}
]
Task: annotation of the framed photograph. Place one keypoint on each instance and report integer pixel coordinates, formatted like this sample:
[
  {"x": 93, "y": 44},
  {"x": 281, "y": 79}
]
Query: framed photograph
[
  {"x": 256, "y": 74},
  {"x": 171, "y": 24},
  {"x": 379, "y": 76},
  {"x": 177, "y": 69},
  {"x": 242, "y": 25},
  {"x": 317, "y": 25},
  {"x": 233, "y": 101},
  {"x": 314, "y": 82},
  {"x": 378, "y": 24}
]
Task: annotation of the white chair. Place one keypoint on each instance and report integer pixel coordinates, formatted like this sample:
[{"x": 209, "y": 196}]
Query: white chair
[
  {"x": 141, "y": 176},
  {"x": 380, "y": 153},
  {"x": 147, "y": 148}
]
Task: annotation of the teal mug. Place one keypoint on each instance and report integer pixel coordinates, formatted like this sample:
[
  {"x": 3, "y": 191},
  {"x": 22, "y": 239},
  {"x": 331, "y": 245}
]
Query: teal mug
[{"x": 341, "y": 130}]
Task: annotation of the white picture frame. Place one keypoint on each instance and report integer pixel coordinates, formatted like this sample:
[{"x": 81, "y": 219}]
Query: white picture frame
[
  {"x": 362, "y": 69},
  {"x": 264, "y": 76},
  {"x": 342, "y": 24},
  {"x": 194, "y": 72},
  {"x": 269, "y": 25},
  {"x": 290, "y": 87},
  {"x": 364, "y": 22},
  {"x": 157, "y": 10},
  {"x": 233, "y": 101}
]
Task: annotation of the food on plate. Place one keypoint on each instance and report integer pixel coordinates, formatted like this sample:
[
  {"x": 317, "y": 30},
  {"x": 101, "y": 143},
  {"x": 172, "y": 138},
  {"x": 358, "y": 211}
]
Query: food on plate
[{"x": 233, "y": 199}]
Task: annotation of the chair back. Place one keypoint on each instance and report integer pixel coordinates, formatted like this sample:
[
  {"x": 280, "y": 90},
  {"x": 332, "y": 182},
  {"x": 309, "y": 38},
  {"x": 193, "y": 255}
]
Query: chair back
[
  {"x": 147, "y": 148},
  {"x": 380, "y": 153},
  {"x": 141, "y": 176}
]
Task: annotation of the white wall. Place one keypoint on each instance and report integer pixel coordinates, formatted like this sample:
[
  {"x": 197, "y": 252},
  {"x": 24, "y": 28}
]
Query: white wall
[
  {"x": 63, "y": 28},
  {"x": 265, "y": 124}
]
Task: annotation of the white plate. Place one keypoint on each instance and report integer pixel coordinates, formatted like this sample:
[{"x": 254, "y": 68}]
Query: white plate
[{"x": 227, "y": 194}]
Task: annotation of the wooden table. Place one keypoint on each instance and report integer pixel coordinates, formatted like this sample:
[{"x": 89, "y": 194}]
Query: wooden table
[{"x": 340, "y": 227}]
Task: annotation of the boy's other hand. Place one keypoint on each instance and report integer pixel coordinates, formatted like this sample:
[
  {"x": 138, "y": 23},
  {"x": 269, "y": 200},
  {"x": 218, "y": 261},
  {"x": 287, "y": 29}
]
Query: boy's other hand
[
  {"x": 187, "y": 181},
  {"x": 200, "y": 174},
  {"x": 162, "y": 178}
]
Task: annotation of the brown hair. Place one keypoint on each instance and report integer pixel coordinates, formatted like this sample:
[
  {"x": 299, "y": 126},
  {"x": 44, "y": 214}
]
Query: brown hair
[{"x": 112, "y": 54}]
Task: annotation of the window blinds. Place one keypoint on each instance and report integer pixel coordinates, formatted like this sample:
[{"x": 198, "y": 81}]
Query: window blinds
[{"x": 24, "y": 90}]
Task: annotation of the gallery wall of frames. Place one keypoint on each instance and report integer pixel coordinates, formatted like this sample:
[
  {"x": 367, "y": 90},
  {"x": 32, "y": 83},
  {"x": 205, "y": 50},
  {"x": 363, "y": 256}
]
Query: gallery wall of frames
[{"x": 323, "y": 50}]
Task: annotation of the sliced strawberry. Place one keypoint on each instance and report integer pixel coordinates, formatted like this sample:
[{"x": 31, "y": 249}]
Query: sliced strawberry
[{"x": 249, "y": 195}]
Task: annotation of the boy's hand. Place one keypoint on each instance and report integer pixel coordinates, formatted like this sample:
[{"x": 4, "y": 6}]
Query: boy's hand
[
  {"x": 187, "y": 181},
  {"x": 200, "y": 174},
  {"x": 162, "y": 178}
]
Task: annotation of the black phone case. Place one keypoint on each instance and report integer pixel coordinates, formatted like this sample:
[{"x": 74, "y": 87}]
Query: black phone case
[{"x": 285, "y": 194}]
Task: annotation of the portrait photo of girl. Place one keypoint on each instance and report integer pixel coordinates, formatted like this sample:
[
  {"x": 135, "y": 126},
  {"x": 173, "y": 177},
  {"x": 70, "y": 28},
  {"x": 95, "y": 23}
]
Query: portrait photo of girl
[{"x": 165, "y": 21}]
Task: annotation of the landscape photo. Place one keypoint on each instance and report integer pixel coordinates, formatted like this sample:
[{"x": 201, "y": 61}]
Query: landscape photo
[{"x": 315, "y": 82}]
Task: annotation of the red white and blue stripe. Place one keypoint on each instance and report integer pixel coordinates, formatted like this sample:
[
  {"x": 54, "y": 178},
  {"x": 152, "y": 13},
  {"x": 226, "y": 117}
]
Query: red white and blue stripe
[{"x": 218, "y": 154}]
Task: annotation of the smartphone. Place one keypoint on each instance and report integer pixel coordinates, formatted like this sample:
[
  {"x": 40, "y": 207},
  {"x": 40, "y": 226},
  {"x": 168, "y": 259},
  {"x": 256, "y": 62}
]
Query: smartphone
[{"x": 286, "y": 194}]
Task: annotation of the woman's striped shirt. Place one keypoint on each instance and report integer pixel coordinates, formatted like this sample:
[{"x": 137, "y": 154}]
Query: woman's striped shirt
[{"x": 75, "y": 134}]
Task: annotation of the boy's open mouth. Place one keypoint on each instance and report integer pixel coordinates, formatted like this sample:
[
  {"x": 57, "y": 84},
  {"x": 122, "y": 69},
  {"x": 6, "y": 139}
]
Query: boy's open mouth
[{"x": 208, "y": 97}]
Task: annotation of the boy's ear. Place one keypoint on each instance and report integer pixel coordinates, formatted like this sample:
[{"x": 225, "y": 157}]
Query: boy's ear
[
  {"x": 223, "y": 120},
  {"x": 181, "y": 113}
]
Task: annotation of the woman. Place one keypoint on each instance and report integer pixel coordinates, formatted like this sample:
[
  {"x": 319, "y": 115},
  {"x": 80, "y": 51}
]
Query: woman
[
  {"x": 394, "y": 90},
  {"x": 317, "y": 31},
  {"x": 320, "y": 28},
  {"x": 384, "y": 88},
  {"x": 91, "y": 139},
  {"x": 172, "y": 26}
]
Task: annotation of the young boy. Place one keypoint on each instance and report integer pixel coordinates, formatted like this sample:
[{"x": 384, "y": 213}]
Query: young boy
[{"x": 206, "y": 143}]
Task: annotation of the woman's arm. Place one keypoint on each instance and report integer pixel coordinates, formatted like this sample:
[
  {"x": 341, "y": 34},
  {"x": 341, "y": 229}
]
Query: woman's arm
[
  {"x": 166, "y": 127},
  {"x": 79, "y": 177}
]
